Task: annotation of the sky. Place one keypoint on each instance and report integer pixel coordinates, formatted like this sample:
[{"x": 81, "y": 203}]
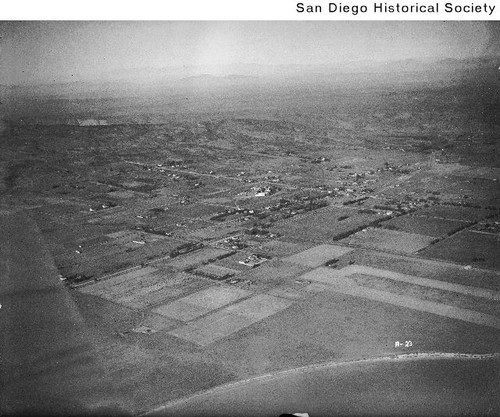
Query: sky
[{"x": 58, "y": 51}]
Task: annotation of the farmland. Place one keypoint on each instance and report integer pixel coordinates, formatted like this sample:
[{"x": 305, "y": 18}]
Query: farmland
[{"x": 191, "y": 221}]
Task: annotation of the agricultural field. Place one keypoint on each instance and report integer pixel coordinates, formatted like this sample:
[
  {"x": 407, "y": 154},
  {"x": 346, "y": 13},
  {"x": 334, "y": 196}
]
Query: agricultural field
[
  {"x": 127, "y": 193},
  {"x": 389, "y": 240},
  {"x": 423, "y": 225},
  {"x": 328, "y": 225},
  {"x": 207, "y": 232},
  {"x": 468, "y": 247}
]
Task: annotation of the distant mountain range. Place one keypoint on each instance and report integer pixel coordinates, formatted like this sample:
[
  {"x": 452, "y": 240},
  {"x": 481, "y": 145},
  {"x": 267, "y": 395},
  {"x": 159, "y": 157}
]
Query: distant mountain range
[
  {"x": 238, "y": 72},
  {"x": 204, "y": 79},
  {"x": 139, "y": 80}
]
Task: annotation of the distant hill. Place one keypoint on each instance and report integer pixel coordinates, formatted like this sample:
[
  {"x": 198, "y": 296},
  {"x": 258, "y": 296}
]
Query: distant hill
[
  {"x": 208, "y": 80},
  {"x": 169, "y": 81}
]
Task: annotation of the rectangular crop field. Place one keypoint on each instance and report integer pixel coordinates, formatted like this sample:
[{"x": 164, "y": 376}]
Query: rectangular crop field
[
  {"x": 390, "y": 240},
  {"x": 429, "y": 226},
  {"x": 468, "y": 247}
]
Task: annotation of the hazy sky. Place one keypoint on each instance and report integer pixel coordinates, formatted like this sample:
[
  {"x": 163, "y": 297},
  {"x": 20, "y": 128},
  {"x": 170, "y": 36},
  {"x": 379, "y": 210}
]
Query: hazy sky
[{"x": 64, "y": 51}]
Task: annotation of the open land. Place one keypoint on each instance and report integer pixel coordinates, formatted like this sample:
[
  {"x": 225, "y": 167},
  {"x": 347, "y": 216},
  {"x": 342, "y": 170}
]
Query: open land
[{"x": 216, "y": 234}]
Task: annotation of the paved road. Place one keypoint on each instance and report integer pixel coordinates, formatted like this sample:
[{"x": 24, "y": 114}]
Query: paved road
[{"x": 425, "y": 385}]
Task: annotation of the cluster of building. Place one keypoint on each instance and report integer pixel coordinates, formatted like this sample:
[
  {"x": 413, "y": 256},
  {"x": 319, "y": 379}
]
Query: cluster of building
[
  {"x": 263, "y": 191},
  {"x": 254, "y": 260},
  {"x": 230, "y": 212},
  {"x": 232, "y": 242},
  {"x": 290, "y": 208}
]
